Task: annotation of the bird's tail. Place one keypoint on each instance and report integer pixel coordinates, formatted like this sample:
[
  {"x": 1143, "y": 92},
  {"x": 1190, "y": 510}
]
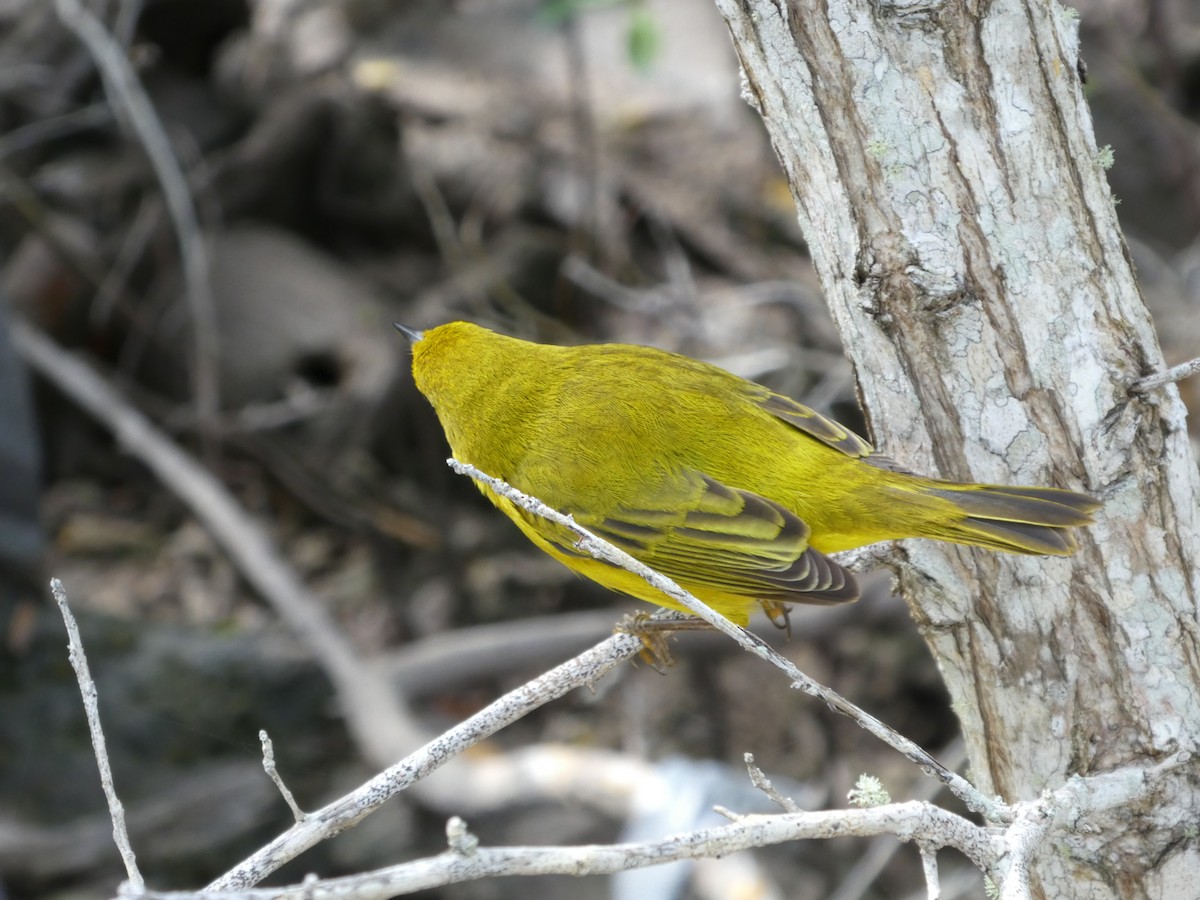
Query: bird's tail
[{"x": 1030, "y": 520}]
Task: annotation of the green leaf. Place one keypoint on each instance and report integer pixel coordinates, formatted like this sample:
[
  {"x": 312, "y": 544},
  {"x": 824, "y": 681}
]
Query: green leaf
[{"x": 645, "y": 39}]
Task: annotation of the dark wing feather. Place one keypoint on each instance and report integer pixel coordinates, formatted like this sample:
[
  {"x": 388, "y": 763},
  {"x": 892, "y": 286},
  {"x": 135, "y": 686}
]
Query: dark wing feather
[
  {"x": 814, "y": 424},
  {"x": 703, "y": 533},
  {"x": 827, "y": 431}
]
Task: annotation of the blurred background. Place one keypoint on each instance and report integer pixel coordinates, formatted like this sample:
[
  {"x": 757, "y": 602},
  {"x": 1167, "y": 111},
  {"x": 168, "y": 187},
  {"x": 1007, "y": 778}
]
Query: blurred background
[{"x": 561, "y": 170}]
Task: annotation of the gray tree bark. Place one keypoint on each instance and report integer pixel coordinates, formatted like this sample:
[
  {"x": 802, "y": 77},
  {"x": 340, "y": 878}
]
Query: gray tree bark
[{"x": 942, "y": 159}]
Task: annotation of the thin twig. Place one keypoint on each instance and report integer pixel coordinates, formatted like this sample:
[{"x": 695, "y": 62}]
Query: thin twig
[
  {"x": 129, "y": 100},
  {"x": 146, "y": 222},
  {"x": 992, "y": 809},
  {"x": 441, "y": 220},
  {"x": 680, "y": 277},
  {"x": 586, "y": 226},
  {"x": 41, "y": 131},
  {"x": 582, "y": 274},
  {"x": 1175, "y": 373},
  {"x": 268, "y": 754},
  {"x": 760, "y": 780},
  {"x": 87, "y": 688},
  {"x": 933, "y": 883}
]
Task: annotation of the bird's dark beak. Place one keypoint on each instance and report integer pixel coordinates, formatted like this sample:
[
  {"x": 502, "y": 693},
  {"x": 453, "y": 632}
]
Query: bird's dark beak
[{"x": 413, "y": 336}]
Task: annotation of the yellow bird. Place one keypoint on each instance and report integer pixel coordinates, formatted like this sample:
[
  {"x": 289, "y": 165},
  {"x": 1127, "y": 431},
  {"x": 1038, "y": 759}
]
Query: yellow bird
[{"x": 735, "y": 492}]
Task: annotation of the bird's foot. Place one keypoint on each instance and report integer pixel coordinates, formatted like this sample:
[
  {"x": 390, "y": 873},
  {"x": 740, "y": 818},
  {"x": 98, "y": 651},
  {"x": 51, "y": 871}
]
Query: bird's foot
[
  {"x": 779, "y": 614},
  {"x": 654, "y": 633}
]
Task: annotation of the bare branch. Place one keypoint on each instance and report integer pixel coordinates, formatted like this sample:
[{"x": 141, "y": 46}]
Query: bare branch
[
  {"x": 1173, "y": 374},
  {"x": 133, "y": 106},
  {"x": 465, "y": 861},
  {"x": 87, "y": 688},
  {"x": 993, "y": 809}
]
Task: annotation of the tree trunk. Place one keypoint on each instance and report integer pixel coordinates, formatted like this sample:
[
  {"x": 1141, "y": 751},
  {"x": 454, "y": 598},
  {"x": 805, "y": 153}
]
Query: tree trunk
[{"x": 948, "y": 183}]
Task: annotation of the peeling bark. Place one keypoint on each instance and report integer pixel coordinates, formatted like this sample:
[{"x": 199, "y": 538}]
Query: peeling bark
[{"x": 949, "y": 186}]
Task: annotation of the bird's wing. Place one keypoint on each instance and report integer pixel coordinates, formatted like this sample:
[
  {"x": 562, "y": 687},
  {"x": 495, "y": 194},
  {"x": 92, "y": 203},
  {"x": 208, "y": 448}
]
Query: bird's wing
[
  {"x": 813, "y": 423},
  {"x": 825, "y": 430},
  {"x": 703, "y": 533}
]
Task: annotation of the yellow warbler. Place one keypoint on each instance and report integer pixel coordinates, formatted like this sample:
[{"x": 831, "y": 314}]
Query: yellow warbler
[{"x": 735, "y": 492}]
